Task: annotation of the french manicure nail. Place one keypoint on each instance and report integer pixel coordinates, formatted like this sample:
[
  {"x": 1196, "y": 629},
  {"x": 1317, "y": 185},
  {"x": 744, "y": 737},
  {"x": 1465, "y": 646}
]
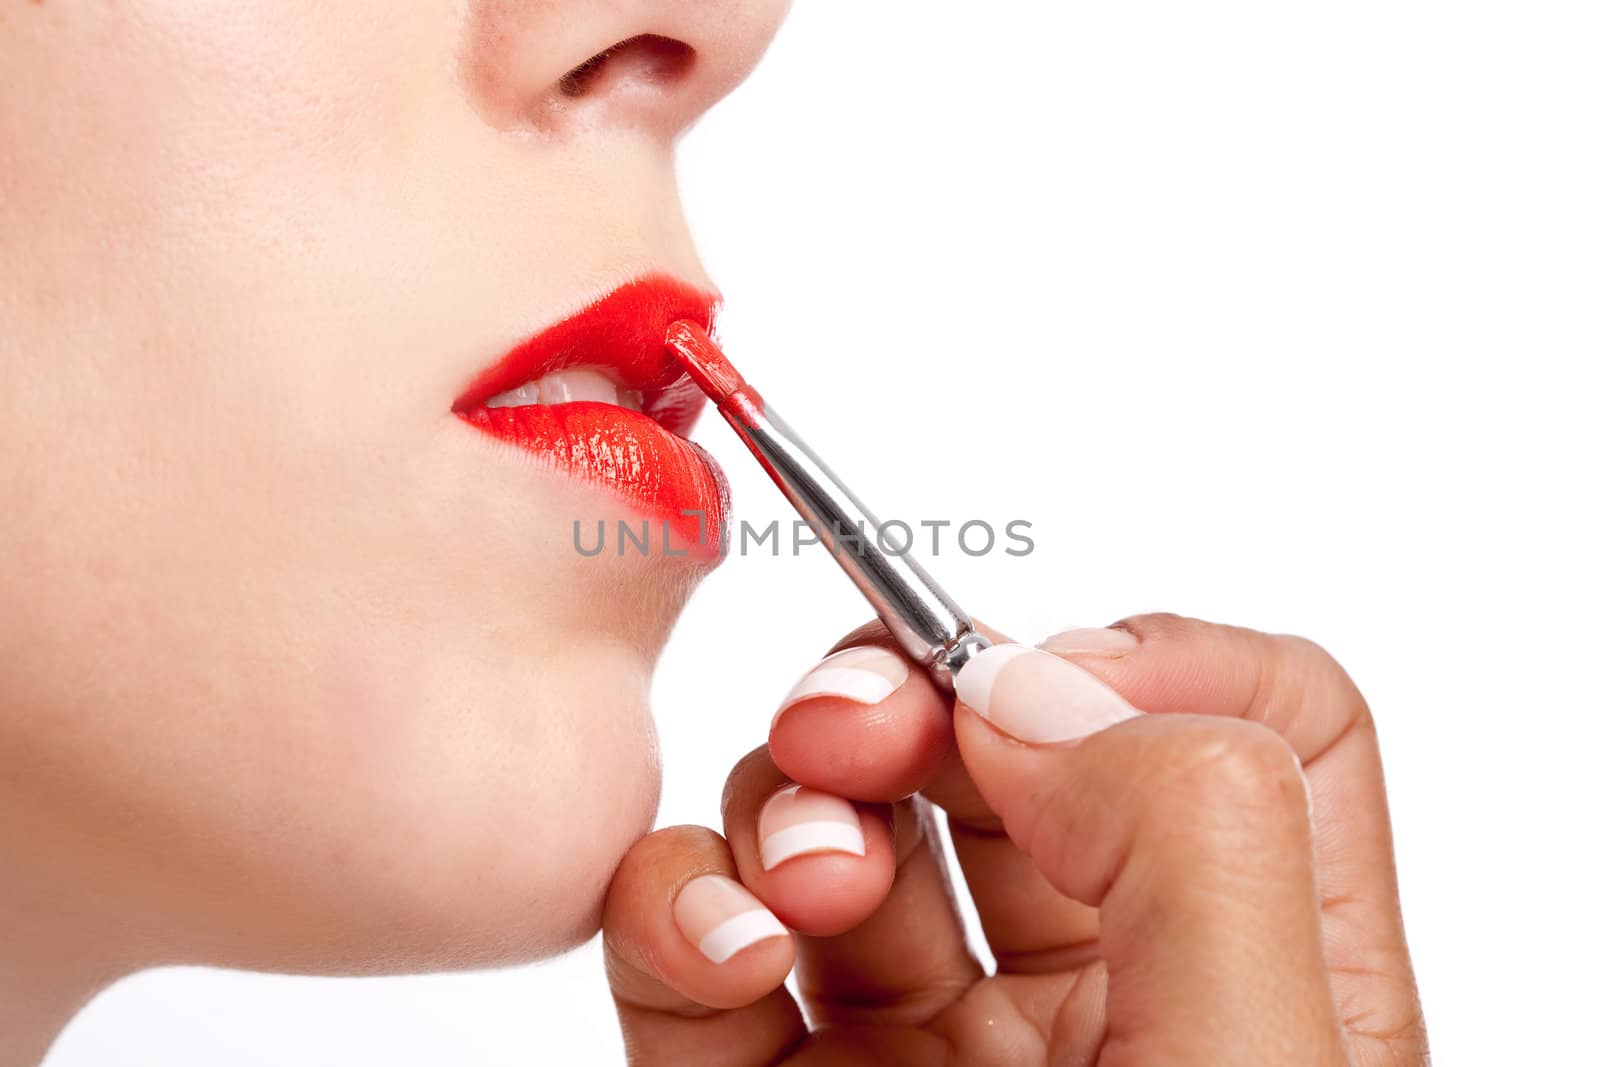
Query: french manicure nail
[
  {"x": 722, "y": 917},
  {"x": 1090, "y": 641},
  {"x": 797, "y": 821},
  {"x": 1037, "y": 697},
  {"x": 865, "y": 675}
]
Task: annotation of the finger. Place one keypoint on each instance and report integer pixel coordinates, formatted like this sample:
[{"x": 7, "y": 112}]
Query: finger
[
  {"x": 1164, "y": 663},
  {"x": 1030, "y": 926},
  {"x": 864, "y": 723},
  {"x": 696, "y": 963},
  {"x": 1193, "y": 837},
  {"x": 884, "y": 940},
  {"x": 867, "y": 724},
  {"x": 821, "y": 863},
  {"x": 865, "y": 702}
]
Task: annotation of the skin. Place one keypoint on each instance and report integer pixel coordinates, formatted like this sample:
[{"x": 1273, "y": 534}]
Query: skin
[
  {"x": 1210, "y": 882},
  {"x": 295, "y": 665}
]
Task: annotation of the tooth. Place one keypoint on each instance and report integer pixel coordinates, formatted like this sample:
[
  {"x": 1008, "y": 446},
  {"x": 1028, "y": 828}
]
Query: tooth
[
  {"x": 524, "y": 394},
  {"x": 631, "y": 399},
  {"x": 571, "y": 386}
]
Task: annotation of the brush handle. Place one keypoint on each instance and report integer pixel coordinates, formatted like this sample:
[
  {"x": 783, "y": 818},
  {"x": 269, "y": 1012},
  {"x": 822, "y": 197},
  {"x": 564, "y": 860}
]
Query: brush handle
[{"x": 921, "y": 616}]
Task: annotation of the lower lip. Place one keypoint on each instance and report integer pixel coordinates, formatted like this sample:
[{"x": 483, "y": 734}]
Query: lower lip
[{"x": 667, "y": 480}]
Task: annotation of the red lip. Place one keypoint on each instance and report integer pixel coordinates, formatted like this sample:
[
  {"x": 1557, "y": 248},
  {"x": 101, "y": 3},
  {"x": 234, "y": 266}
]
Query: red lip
[{"x": 639, "y": 456}]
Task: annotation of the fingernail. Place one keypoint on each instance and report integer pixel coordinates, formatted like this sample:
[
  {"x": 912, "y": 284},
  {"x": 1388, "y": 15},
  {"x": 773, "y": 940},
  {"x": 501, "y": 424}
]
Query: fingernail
[
  {"x": 722, "y": 918},
  {"x": 797, "y": 821},
  {"x": 865, "y": 675},
  {"x": 1090, "y": 641},
  {"x": 1034, "y": 696}
]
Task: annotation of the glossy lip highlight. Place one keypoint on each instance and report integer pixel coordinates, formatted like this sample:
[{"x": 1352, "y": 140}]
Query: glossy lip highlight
[{"x": 641, "y": 457}]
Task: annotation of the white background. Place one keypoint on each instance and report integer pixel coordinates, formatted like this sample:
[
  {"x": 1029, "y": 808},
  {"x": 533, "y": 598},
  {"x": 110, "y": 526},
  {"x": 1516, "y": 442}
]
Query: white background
[{"x": 1278, "y": 314}]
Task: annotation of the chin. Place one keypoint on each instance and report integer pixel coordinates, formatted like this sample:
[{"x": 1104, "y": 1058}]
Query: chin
[
  {"x": 511, "y": 859},
  {"x": 477, "y": 789},
  {"x": 438, "y": 820}
]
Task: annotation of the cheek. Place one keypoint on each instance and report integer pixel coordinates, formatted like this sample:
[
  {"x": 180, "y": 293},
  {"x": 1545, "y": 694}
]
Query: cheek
[
  {"x": 345, "y": 717},
  {"x": 337, "y": 695}
]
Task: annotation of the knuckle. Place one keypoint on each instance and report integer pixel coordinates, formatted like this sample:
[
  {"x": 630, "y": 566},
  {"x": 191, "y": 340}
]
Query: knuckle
[
  {"x": 1232, "y": 768},
  {"x": 1160, "y": 626},
  {"x": 1312, "y": 661},
  {"x": 1308, "y": 650},
  {"x": 1315, "y": 685}
]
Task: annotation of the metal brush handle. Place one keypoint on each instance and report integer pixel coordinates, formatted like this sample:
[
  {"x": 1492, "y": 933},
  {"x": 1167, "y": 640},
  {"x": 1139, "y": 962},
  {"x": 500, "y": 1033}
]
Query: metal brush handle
[{"x": 929, "y": 626}]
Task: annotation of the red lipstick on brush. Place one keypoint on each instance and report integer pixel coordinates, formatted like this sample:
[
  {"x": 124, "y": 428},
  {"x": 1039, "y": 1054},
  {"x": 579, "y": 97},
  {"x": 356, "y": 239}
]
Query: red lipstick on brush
[{"x": 929, "y": 626}]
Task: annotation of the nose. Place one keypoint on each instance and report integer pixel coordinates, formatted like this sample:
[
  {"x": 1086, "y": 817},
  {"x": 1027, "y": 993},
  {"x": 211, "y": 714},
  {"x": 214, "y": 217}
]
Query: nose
[{"x": 562, "y": 66}]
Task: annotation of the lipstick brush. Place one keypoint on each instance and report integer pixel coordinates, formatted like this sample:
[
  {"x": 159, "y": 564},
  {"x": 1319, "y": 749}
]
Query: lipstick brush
[{"x": 929, "y": 626}]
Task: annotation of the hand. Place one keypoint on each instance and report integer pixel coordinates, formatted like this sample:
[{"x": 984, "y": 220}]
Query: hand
[{"x": 1207, "y": 880}]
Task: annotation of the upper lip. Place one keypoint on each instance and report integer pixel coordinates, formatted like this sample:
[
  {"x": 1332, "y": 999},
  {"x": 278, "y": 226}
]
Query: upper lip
[{"x": 623, "y": 333}]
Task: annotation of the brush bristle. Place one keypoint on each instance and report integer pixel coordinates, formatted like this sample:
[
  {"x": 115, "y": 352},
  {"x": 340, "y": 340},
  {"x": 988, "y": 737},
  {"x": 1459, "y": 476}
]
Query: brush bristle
[{"x": 699, "y": 355}]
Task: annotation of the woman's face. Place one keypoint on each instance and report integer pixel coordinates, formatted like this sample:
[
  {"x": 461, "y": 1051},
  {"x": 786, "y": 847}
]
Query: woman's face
[{"x": 299, "y": 668}]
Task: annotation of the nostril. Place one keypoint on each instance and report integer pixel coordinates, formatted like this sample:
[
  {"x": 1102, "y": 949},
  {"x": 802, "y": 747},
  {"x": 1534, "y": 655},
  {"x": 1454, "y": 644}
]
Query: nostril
[{"x": 645, "y": 59}]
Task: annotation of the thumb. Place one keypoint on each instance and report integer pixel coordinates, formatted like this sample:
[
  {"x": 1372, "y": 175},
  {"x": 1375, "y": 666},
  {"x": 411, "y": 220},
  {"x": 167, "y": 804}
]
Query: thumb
[{"x": 1191, "y": 834}]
